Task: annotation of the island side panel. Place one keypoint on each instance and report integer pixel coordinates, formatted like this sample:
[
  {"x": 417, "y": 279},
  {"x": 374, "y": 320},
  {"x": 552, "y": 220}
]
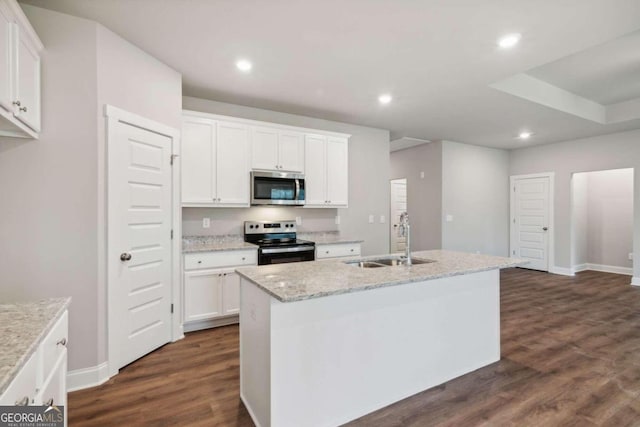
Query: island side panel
[
  {"x": 255, "y": 360},
  {"x": 337, "y": 358}
]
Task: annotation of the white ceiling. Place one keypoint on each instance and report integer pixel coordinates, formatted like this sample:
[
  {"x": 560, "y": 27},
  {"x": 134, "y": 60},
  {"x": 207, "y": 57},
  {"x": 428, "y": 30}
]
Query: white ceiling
[{"x": 332, "y": 58}]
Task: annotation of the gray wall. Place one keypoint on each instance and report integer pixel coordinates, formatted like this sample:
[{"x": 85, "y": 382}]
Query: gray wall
[
  {"x": 475, "y": 191},
  {"x": 580, "y": 206},
  {"x": 368, "y": 169},
  {"x": 610, "y": 217},
  {"x": 48, "y": 223},
  {"x": 424, "y": 195},
  {"x": 615, "y": 151},
  {"x": 52, "y": 225}
]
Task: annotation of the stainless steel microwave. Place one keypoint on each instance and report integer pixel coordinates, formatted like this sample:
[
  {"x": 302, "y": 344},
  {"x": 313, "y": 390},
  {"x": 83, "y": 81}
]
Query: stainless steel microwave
[{"x": 277, "y": 188}]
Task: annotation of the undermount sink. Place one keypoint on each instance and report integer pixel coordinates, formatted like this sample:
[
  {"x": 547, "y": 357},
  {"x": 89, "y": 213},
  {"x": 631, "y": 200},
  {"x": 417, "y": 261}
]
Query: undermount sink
[{"x": 387, "y": 262}]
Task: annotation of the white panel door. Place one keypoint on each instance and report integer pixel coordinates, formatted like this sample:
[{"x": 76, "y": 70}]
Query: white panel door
[
  {"x": 398, "y": 206},
  {"x": 139, "y": 241},
  {"x": 7, "y": 34},
  {"x": 337, "y": 172},
  {"x": 315, "y": 155},
  {"x": 202, "y": 295},
  {"x": 291, "y": 153},
  {"x": 232, "y": 165},
  {"x": 198, "y": 159},
  {"x": 28, "y": 76},
  {"x": 264, "y": 149},
  {"x": 531, "y": 222},
  {"x": 230, "y": 293}
]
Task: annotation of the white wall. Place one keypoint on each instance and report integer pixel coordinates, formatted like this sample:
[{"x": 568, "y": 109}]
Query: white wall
[
  {"x": 475, "y": 192},
  {"x": 610, "y": 217},
  {"x": 368, "y": 168},
  {"x": 424, "y": 195},
  {"x": 52, "y": 222},
  {"x": 615, "y": 151}
]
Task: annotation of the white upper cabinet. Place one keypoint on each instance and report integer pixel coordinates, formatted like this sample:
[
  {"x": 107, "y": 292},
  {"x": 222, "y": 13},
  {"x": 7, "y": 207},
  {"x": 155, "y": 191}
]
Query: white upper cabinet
[
  {"x": 327, "y": 171},
  {"x": 277, "y": 150},
  {"x": 19, "y": 73},
  {"x": 215, "y": 165}
]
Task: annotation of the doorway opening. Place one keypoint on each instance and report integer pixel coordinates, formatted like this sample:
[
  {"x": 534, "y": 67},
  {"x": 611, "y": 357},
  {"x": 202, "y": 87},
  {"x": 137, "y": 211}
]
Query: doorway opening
[
  {"x": 602, "y": 221},
  {"x": 398, "y": 206}
]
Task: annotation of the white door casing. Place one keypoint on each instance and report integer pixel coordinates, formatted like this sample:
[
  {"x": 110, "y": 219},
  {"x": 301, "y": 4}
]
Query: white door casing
[
  {"x": 398, "y": 205},
  {"x": 141, "y": 254},
  {"x": 532, "y": 220}
]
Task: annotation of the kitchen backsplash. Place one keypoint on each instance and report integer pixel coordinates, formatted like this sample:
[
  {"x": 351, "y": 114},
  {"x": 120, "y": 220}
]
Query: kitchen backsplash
[{"x": 231, "y": 220}]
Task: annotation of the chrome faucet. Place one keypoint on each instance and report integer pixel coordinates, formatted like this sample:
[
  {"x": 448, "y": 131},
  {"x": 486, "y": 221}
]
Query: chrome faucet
[{"x": 405, "y": 231}]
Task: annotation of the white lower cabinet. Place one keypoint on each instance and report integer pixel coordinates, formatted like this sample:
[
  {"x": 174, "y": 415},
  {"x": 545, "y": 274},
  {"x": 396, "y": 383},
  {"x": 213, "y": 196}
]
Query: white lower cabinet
[
  {"x": 337, "y": 250},
  {"x": 42, "y": 379},
  {"x": 212, "y": 287}
]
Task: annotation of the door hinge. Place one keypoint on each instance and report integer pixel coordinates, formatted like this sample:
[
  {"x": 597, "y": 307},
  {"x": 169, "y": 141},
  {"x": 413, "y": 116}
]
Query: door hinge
[
  {"x": 514, "y": 189},
  {"x": 172, "y": 234},
  {"x": 172, "y": 158},
  {"x": 171, "y": 308},
  {"x": 514, "y": 252},
  {"x": 514, "y": 220}
]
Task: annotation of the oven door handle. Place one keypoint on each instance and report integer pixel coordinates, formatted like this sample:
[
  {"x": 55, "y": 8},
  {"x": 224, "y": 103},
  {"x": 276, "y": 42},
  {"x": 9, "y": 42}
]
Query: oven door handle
[{"x": 288, "y": 250}]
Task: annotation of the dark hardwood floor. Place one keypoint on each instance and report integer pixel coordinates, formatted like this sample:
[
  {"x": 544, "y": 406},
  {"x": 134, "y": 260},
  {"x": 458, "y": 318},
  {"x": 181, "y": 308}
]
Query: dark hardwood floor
[{"x": 570, "y": 357}]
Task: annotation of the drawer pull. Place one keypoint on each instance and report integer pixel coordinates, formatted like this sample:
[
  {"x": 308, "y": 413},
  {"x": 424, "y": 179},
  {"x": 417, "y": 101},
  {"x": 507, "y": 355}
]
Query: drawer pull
[
  {"x": 62, "y": 342},
  {"x": 23, "y": 402},
  {"x": 49, "y": 402},
  {"x": 326, "y": 252},
  {"x": 243, "y": 258}
]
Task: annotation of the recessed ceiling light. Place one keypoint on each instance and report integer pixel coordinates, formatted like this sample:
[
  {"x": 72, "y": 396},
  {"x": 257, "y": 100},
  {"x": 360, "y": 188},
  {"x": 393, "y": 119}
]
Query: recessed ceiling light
[
  {"x": 385, "y": 99},
  {"x": 525, "y": 135},
  {"x": 509, "y": 41},
  {"x": 244, "y": 65}
]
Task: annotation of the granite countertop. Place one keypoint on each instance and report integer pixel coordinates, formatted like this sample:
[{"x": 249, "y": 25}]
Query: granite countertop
[
  {"x": 327, "y": 238},
  {"x": 23, "y": 326},
  {"x": 305, "y": 280},
  {"x": 231, "y": 242}
]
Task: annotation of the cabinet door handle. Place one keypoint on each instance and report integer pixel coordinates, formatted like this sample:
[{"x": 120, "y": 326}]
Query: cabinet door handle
[
  {"x": 125, "y": 256},
  {"x": 243, "y": 258},
  {"x": 49, "y": 402},
  {"x": 23, "y": 109},
  {"x": 16, "y": 103},
  {"x": 23, "y": 402},
  {"x": 62, "y": 342}
]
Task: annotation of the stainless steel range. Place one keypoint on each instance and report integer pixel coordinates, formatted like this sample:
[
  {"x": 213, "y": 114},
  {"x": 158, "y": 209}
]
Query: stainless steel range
[{"x": 278, "y": 242}]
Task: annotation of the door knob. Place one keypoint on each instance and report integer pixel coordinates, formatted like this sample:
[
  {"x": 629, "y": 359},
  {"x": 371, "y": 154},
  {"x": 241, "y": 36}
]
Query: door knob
[
  {"x": 125, "y": 256},
  {"x": 545, "y": 228}
]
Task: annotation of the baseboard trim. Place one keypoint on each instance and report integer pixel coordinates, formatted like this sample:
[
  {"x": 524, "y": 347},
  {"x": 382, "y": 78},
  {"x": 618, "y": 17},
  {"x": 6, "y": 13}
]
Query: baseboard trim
[
  {"x": 580, "y": 267},
  {"x": 610, "y": 269},
  {"x": 212, "y": 323},
  {"x": 635, "y": 281},
  {"x": 80, "y": 379},
  {"x": 561, "y": 271}
]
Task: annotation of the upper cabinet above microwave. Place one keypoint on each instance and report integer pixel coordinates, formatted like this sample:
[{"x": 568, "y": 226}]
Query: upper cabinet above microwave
[
  {"x": 277, "y": 150},
  {"x": 219, "y": 153},
  {"x": 19, "y": 73}
]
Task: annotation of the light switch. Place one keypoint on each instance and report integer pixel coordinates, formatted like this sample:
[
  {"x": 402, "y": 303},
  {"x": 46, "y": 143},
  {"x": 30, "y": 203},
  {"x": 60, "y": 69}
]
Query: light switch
[
  {"x": 421, "y": 175},
  {"x": 449, "y": 218},
  {"x": 337, "y": 220},
  {"x": 382, "y": 219},
  {"x": 371, "y": 220},
  {"x": 206, "y": 222},
  {"x": 298, "y": 220}
]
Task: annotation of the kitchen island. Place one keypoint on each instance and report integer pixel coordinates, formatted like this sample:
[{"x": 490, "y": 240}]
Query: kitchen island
[{"x": 325, "y": 342}]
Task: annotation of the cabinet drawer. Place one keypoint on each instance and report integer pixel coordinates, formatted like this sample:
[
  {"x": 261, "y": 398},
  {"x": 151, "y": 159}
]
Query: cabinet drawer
[
  {"x": 54, "y": 345},
  {"x": 220, "y": 259},
  {"x": 337, "y": 250},
  {"x": 23, "y": 385}
]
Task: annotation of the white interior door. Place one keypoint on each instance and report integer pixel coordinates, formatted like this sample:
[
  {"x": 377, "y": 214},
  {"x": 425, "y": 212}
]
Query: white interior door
[
  {"x": 530, "y": 235},
  {"x": 398, "y": 205},
  {"x": 139, "y": 242}
]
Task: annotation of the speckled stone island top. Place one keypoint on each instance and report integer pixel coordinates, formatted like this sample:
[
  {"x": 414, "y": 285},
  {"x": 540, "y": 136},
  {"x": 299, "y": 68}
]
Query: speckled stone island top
[
  {"x": 23, "y": 326},
  {"x": 306, "y": 280}
]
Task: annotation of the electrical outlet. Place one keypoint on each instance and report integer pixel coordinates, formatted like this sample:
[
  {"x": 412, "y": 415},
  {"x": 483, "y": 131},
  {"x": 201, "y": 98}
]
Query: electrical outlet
[
  {"x": 382, "y": 219},
  {"x": 298, "y": 220},
  {"x": 206, "y": 222},
  {"x": 371, "y": 219},
  {"x": 630, "y": 255},
  {"x": 449, "y": 218},
  {"x": 421, "y": 175},
  {"x": 337, "y": 220}
]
